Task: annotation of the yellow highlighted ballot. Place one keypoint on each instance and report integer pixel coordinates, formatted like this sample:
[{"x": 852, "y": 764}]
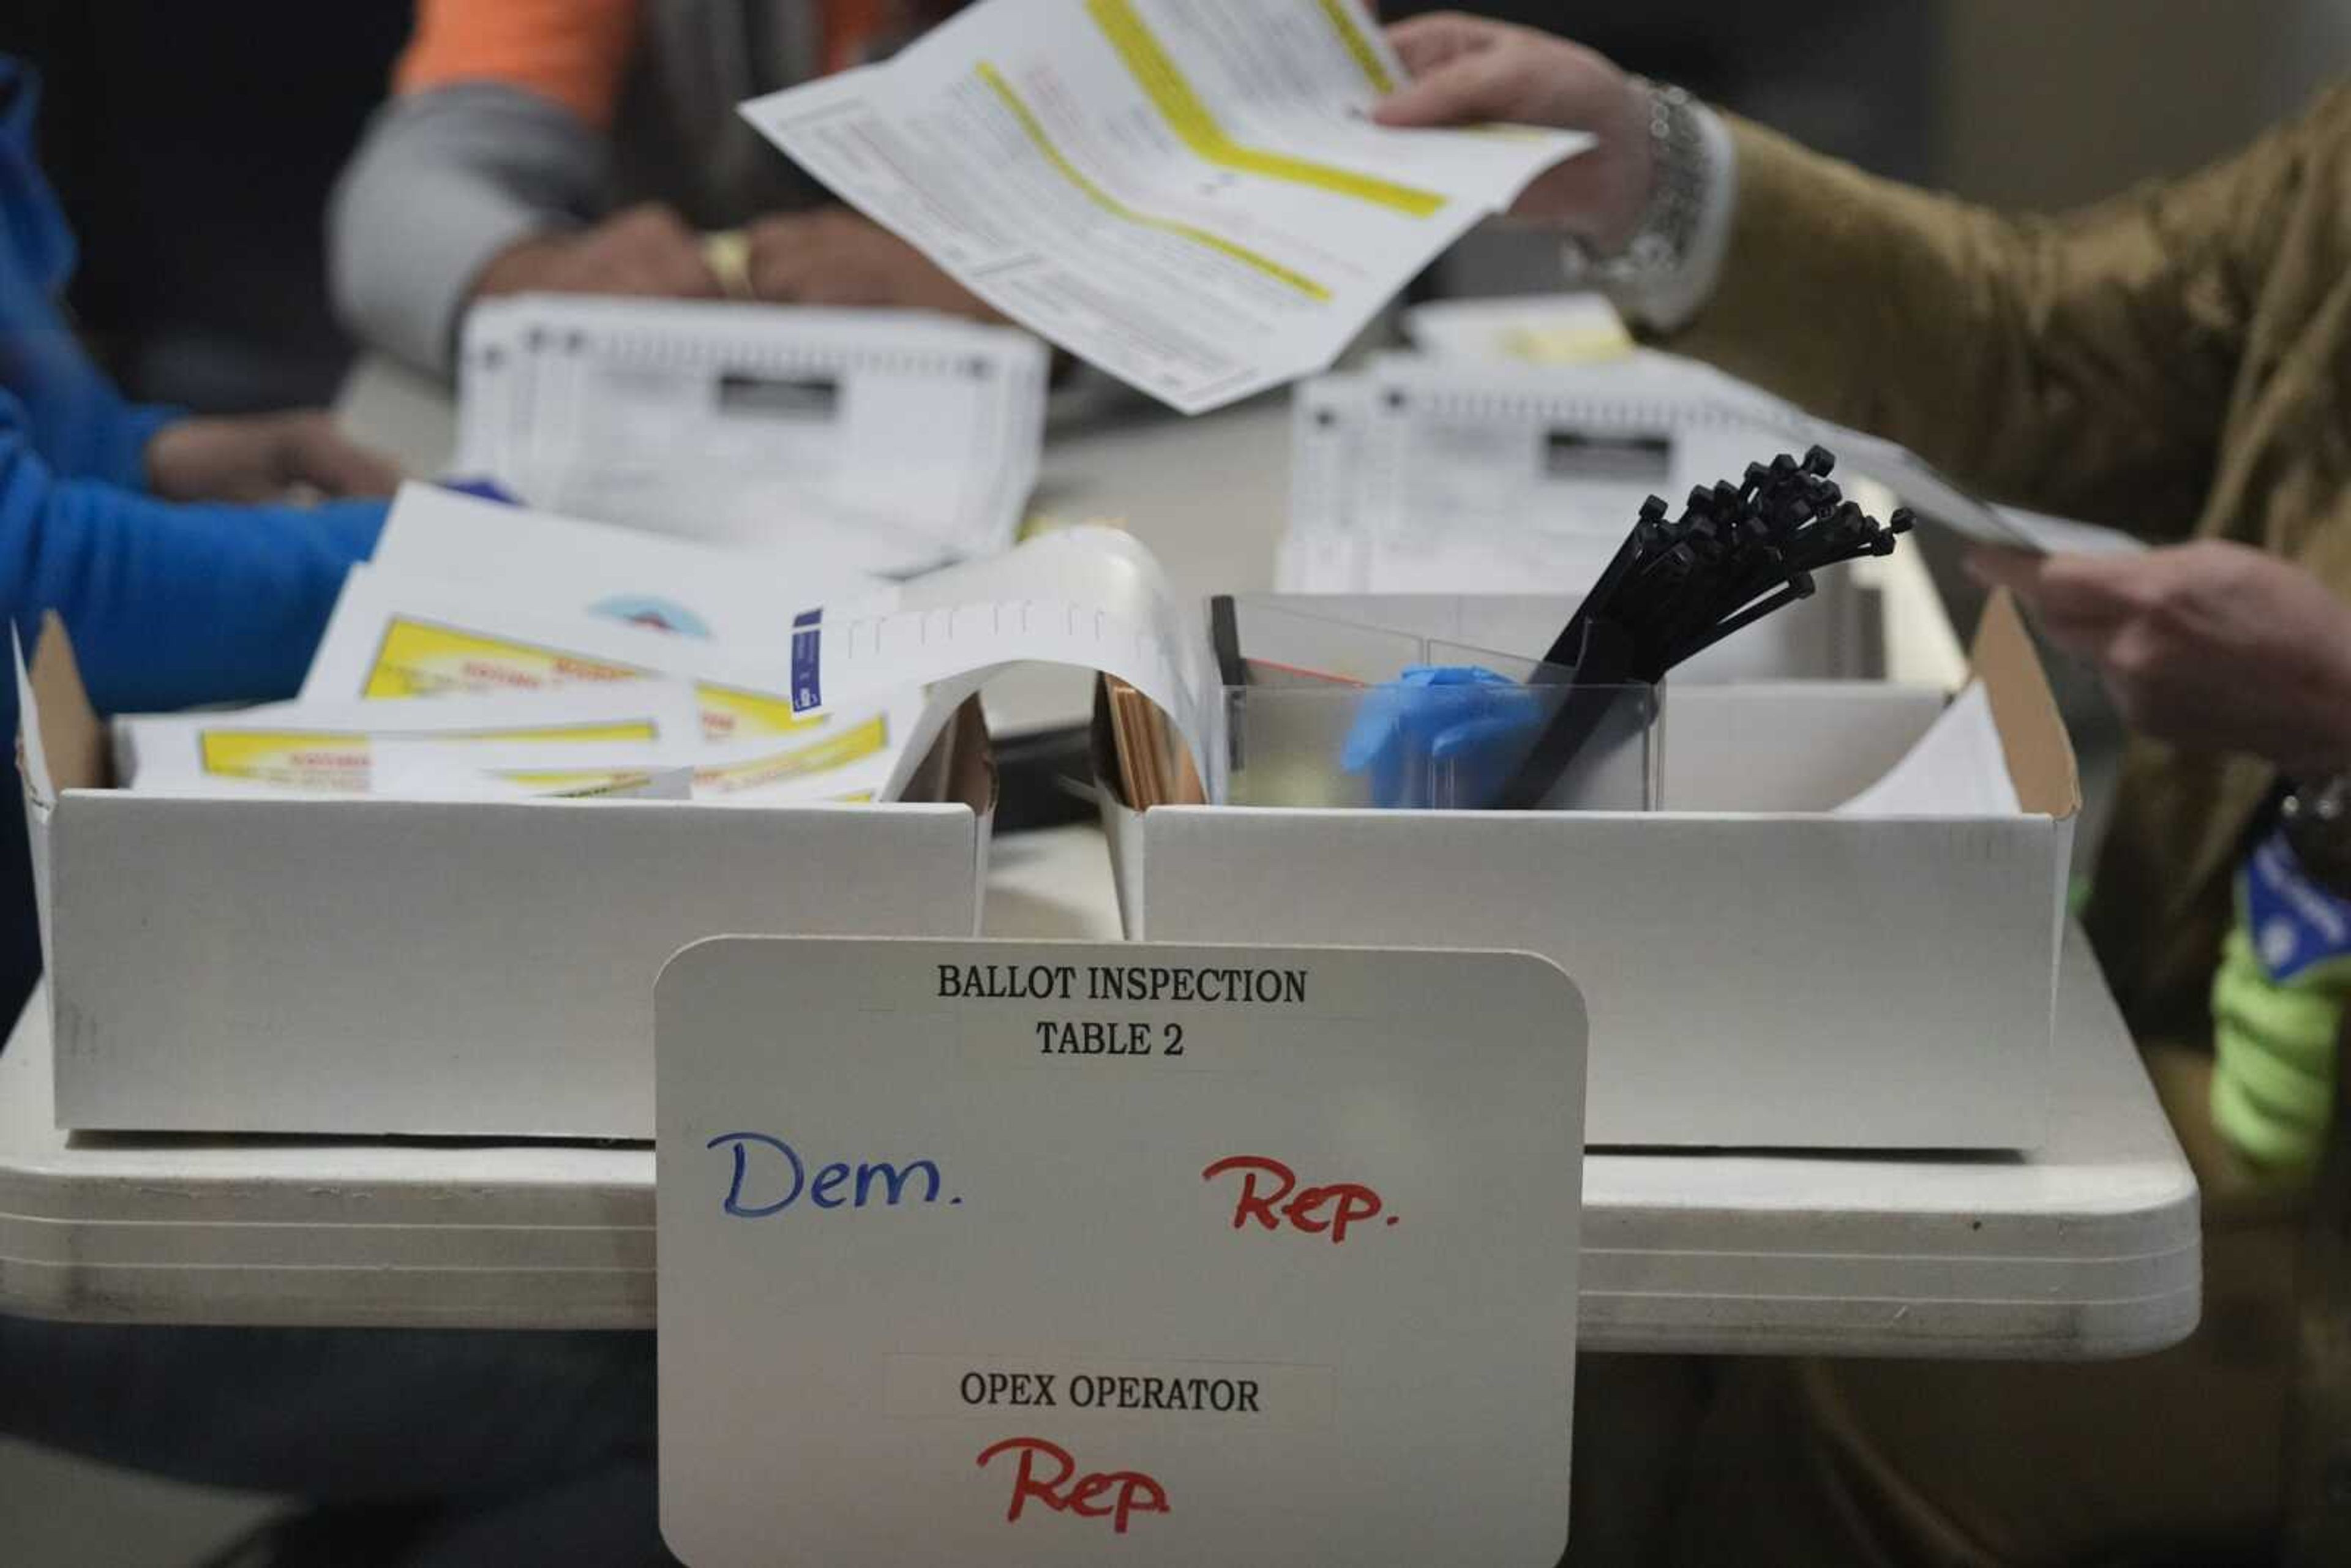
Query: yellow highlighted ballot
[
  {"x": 1118, "y": 209},
  {"x": 727, "y": 712},
  {"x": 421, "y": 659},
  {"x": 1342, "y": 21},
  {"x": 1197, "y": 129},
  {"x": 1194, "y": 195}
]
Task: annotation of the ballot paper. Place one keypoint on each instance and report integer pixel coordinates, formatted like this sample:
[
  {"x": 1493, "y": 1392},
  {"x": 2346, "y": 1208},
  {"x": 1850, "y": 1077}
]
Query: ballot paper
[
  {"x": 1430, "y": 474},
  {"x": 333, "y": 747},
  {"x": 1188, "y": 194},
  {"x": 1958, "y": 768},
  {"x": 417, "y": 777},
  {"x": 2069, "y": 535},
  {"x": 853, "y": 765},
  {"x": 1922, "y": 486},
  {"x": 732, "y": 595},
  {"x": 394, "y": 636},
  {"x": 1433, "y": 475},
  {"x": 1528, "y": 329},
  {"x": 873, "y": 441},
  {"x": 441, "y": 785},
  {"x": 849, "y": 760},
  {"x": 1089, "y": 598},
  {"x": 1324, "y": 549}
]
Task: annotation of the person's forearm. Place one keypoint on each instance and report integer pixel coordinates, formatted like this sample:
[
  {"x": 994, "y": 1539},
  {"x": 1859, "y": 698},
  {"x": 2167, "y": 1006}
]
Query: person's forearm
[
  {"x": 445, "y": 181},
  {"x": 72, "y": 414},
  {"x": 170, "y": 605},
  {"x": 2070, "y": 365}
]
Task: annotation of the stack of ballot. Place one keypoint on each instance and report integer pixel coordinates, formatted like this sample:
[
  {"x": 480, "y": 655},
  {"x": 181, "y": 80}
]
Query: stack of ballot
[
  {"x": 534, "y": 759},
  {"x": 869, "y": 440},
  {"x": 488, "y": 652},
  {"x": 1516, "y": 444}
]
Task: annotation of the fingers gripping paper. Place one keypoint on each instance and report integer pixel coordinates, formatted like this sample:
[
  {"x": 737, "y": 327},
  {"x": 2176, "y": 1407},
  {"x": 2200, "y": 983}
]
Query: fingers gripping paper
[{"x": 1186, "y": 193}]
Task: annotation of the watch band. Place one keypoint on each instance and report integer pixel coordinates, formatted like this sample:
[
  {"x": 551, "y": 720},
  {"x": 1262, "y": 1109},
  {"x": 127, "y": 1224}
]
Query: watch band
[{"x": 1677, "y": 192}]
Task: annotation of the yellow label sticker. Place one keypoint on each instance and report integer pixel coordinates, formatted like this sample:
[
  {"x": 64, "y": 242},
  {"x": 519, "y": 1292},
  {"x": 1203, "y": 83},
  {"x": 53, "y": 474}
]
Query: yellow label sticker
[
  {"x": 314, "y": 761},
  {"x": 421, "y": 659}
]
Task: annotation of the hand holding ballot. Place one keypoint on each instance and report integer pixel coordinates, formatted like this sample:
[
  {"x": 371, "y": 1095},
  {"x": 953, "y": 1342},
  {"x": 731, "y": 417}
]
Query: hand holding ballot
[
  {"x": 2211, "y": 646},
  {"x": 1193, "y": 198},
  {"x": 1468, "y": 70}
]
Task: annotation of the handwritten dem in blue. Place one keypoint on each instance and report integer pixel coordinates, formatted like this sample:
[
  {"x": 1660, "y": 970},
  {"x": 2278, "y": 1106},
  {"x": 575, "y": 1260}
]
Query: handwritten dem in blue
[{"x": 840, "y": 1185}]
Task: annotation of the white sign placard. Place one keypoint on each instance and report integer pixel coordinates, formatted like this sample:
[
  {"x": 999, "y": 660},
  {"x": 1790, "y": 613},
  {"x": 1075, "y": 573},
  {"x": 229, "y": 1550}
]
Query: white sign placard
[{"x": 1042, "y": 1253}]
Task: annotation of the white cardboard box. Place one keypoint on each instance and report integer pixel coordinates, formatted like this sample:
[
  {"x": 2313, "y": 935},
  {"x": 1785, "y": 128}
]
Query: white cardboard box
[
  {"x": 1759, "y": 972},
  {"x": 277, "y": 965}
]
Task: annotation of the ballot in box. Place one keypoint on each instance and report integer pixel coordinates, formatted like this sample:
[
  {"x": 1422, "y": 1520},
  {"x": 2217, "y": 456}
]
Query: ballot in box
[
  {"x": 1840, "y": 930},
  {"x": 221, "y": 962}
]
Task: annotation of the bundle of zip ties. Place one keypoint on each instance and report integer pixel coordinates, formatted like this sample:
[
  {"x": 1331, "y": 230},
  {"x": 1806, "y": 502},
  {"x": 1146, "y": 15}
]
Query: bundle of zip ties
[{"x": 1679, "y": 585}]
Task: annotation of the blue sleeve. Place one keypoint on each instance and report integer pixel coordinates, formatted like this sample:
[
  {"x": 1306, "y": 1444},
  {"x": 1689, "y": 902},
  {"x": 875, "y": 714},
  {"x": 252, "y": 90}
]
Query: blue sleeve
[
  {"x": 106, "y": 440},
  {"x": 171, "y": 605},
  {"x": 78, "y": 422},
  {"x": 75, "y": 419}
]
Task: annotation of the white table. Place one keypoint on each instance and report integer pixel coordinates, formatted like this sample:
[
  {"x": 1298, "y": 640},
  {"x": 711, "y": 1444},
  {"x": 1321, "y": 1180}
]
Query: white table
[{"x": 2090, "y": 1248}]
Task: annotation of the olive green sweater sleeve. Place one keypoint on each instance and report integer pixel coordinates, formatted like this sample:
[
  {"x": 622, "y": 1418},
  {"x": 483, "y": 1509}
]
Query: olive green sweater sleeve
[{"x": 2083, "y": 365}]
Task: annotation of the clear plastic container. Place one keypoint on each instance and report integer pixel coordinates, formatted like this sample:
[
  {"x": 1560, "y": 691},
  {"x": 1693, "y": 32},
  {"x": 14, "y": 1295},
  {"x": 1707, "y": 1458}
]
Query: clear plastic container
[{"x": 1341, "y": 714}]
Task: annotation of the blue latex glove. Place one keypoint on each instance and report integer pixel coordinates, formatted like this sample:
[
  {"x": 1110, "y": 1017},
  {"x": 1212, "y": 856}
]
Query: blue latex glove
[{"x": 1465, "y": 725}]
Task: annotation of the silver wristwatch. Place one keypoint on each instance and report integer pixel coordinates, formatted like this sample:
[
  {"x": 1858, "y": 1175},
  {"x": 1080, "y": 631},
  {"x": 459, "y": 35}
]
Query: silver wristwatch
[
  {"x": 1677, "y": 191},
  {"x": 2317, "y": 821}
]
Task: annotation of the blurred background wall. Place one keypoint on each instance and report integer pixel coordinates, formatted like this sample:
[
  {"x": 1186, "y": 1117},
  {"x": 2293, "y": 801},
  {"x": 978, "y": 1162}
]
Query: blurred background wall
[
  {"x": 2049, "y": 102},
  {"x": 192, "y": 144}
]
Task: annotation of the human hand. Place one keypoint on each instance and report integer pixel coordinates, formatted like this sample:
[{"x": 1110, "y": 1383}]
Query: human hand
[
  {"x": 2210, "y": 646},
  {"x": 262, "y": 457},
  {"x": 1468, "y": 70},
  {"x": 834, "y": 257},
  {"x": 645, "y": 250}
]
